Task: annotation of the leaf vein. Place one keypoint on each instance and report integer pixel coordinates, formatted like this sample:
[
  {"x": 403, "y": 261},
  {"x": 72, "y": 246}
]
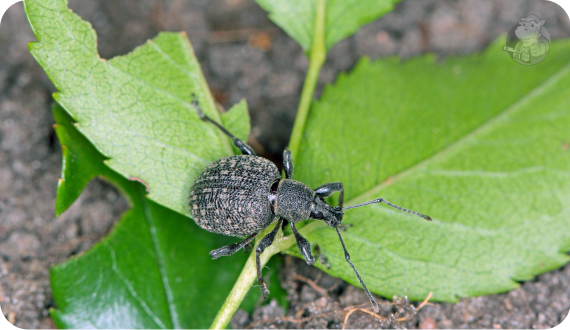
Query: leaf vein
[
  {"x": 469, "y": 137},
  {"x": 130, "y": 288},
  {"x": 160, "y": 262}
]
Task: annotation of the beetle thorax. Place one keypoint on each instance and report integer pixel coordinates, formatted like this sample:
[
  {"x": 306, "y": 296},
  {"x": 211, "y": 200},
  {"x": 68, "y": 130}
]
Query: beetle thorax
[{"x": 293, "y": 200}]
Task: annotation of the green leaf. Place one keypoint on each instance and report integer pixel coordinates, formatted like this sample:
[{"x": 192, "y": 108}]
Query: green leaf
[
  {"x": 152, "y": 271},
  {"x": 342, "y": 18},
  {"x": 479, "y": 143},
  {"x": 135, "y": 109}
]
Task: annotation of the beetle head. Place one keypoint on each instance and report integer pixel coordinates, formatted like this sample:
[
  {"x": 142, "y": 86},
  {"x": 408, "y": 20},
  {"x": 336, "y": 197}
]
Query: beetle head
[{"x": 320, "y": 210}]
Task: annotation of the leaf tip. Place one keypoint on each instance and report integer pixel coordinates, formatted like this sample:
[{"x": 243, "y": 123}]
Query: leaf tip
[{"x": 31, "y": 45}]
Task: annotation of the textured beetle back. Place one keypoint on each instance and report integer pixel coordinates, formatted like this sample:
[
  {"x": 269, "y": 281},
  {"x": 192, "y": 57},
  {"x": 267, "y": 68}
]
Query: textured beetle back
[{"x": 230, "y": 196}]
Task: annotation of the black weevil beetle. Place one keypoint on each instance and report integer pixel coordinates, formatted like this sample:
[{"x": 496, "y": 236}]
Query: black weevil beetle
[{"x": 242, "y": 195}]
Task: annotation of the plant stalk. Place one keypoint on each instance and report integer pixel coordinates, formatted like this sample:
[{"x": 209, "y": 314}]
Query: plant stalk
[
  {"x": 249, "y": 273},
  {"x": 317, "y": 55},
  {"x": 246, "y": 279}
]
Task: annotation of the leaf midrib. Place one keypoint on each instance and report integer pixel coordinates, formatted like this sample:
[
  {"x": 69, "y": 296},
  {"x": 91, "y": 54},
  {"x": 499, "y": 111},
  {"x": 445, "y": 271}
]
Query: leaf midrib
[
  {"x": 130, "y": 288},
  {"x": 159, "y": 259},
  {"x": 455, "y": 146},
  {"x": 355, "y": 237}
]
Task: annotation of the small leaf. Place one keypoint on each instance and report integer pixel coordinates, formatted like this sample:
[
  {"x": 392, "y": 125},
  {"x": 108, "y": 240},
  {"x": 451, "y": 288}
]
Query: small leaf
[
  {"x": 479, "y": 143},
  {"x": 135, "y": 109},
  {"x": 342, "y": 18}
]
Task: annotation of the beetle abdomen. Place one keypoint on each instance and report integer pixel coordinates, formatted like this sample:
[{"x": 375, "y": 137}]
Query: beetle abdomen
[{"x": 230, "y": 196}]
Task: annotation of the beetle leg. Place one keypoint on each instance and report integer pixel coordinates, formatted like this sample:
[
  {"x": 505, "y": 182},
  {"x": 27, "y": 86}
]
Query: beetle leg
[
  {"x": 329, "y": 188},
  {"x": 303, "y": 245},
  {"x": 288, "y": 164},
  {"x": 231, "y": 249},
  {"x": 265, "y": 242},
  {"x": 244, "y": 148}
]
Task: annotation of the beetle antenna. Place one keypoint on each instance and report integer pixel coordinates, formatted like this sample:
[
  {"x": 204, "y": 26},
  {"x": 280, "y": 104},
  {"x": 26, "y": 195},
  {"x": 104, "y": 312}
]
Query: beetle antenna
[
  {"x": 347, "y": 258},
  {"x": 382, "y": 200},
  {"x": 197, "y": 107}
]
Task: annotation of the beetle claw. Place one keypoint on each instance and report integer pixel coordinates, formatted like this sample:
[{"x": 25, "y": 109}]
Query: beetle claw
[
  {"x": 264, "y": 291},
  {"x": 309, "y": 259}
]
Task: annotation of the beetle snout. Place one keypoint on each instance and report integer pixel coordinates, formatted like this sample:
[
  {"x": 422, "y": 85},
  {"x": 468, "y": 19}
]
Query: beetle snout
[
  {"x": 338, "y": 214},
  {"x": 334, "y": 218},
  {"x": 332, "y": 222}
]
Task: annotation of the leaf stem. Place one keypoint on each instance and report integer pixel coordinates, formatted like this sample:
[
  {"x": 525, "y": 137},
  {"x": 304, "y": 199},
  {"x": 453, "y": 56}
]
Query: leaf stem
[
  {"x": 246, "y": 279},
  {"x": 249, "y": 273},
  {"x": 317, "y": 55}
]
